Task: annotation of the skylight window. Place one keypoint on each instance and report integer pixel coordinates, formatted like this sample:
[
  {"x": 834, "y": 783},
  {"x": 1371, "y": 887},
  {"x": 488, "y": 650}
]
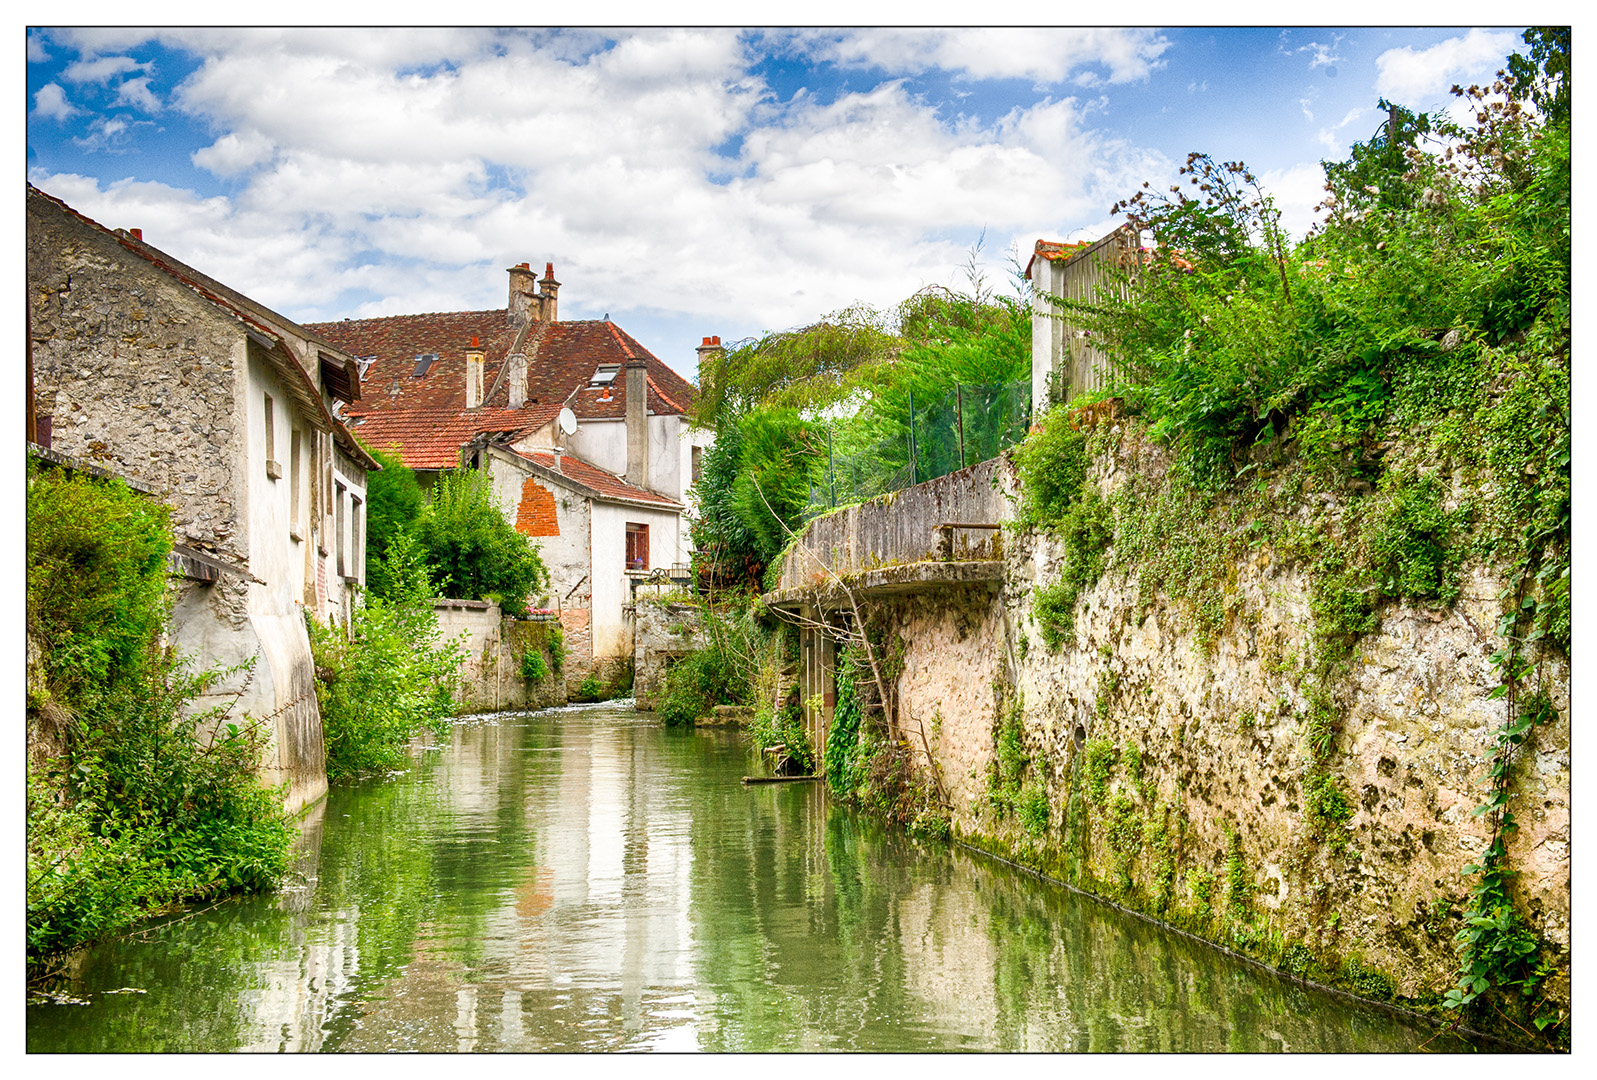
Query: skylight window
[
  {"x": 423, "y": 362},
  {"x": 604, "y": 376},
  {"x": 365, "y": 364}
]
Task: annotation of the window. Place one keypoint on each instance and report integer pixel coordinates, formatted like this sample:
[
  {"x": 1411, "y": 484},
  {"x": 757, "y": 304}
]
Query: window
[
  {"x": 295, "y": 479},
  {"x": 357, "y": 543},
  {"x": 423, "y": 362},
  {"x": 604, "y": 376},
  {"x": 637, "y": 546},
  {"x": 274, "y": 471},
  {"x": 340, "y": 542},
  {"x": 698, "y": 462}
]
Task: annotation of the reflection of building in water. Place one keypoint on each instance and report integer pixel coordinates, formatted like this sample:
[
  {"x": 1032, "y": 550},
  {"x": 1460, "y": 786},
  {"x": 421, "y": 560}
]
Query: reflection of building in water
[{"x": 585, "y": 945}]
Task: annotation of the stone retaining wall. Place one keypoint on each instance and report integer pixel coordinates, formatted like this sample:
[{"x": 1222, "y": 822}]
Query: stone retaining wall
[
  {"x": 663, "y": 633},
  {"x": 491, "y": 674},
  {"x": 1171, "y": 770}
]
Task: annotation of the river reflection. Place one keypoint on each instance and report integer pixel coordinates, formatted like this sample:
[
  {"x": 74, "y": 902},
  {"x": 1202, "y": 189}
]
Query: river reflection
[{"x": 582, "y": 879}]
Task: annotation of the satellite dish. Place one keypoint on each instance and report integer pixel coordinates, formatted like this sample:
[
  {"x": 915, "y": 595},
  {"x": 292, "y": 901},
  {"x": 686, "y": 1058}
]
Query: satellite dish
[{"x": 568, "y": 422}]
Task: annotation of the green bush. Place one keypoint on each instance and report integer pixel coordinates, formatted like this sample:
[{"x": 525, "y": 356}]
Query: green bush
[
  {"x": 696, "y": 684},
  {"x": 388, "y": 679},
  {"x": 394, "y": 502},
  {"x": 1051, "y": 464},
  {"x": 96, "y": 580},
  {"x": 784, "y": 728},
  {"x": 472, "y": 552},
  {"x": 533, "y": 667},
  {"x": 590, "y": 689},
  {"x": 151, "y": 802},
  {"x": 843, "y": 771},
  {"x": 555, "y": 642}
]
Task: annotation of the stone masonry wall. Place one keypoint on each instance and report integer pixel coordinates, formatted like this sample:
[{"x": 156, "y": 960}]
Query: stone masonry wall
[
  {"x": 663, "y": 634},
  {"x": 491, "y": 676},
  {"x": 138, "y": 372},
  {"x": 1169, "y": 767}
]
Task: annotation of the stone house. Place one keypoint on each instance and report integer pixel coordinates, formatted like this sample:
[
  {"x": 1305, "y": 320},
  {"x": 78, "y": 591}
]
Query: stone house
[
  {"x": 583, "y": 431},
  {"x": 148, "y": 367}
]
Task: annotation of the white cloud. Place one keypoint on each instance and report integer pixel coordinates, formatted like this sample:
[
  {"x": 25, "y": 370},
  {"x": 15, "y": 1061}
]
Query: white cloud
[
  {"x": 1419, "y": 79},
  {"x": 234, "y": 153},
  {"x": 1042, "y": 55},
  {"x": 101, "y": 69},
  {"x": 1295, "y": 192},
  {"x": 1333, "y": 139},
  {"x": 1321, "y": 54},
  {"x": 136, "y": 92},
  {"x": 36, "y": 50},
  {"x": 51, "y": 103},
  {"x": 455, "y": 154}
]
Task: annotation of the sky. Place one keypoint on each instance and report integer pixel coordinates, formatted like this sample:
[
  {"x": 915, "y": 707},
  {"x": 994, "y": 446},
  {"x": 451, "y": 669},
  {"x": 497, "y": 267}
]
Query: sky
[{"x": 685, "y": 182}]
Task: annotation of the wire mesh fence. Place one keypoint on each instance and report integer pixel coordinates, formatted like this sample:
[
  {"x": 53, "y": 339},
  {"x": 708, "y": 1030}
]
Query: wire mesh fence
[{"x": 969, "y": 425}]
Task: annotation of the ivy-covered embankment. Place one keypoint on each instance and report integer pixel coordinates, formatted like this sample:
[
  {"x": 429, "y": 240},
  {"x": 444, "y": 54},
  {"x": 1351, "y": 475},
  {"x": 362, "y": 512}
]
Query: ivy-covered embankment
[{"x": 1291, "y": 603}]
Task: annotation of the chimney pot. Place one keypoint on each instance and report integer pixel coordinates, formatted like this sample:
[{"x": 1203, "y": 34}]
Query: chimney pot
[
  {"x": 138, "y": 234},
  {"x": 548, "y": 295}
]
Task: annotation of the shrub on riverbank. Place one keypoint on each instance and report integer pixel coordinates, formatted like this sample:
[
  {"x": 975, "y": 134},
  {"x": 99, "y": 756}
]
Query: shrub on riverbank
[
  {"x": 389, "y": 678},
  {"x": 135, "y": 803}
]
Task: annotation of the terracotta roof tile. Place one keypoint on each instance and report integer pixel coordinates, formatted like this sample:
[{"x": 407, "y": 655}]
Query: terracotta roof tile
[
  {"x": 599, "y": 482},
  {"x": 431, "y": 438},
  {"x": 561, "y": 359}
]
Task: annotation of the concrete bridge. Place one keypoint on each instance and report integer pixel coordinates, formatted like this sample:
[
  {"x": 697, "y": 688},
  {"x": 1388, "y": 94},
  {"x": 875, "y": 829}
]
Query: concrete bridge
[{"x": 936, "y": 536}]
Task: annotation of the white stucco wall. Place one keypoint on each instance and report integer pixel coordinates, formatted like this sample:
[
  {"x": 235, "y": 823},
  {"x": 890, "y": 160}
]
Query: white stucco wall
[
  {"x": 689, "y": 438},
  {"x": 612, "y": 589},
  {"x": 602, "y": 443},
  {"x": 1047, "y": 329},
  {"x": 565, "y": 556}
]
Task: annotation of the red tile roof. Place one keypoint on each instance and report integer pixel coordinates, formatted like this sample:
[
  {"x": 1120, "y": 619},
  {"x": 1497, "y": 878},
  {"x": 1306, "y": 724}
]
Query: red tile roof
[
  {"x": 423, "y": 415},
  {"x": 1055, "y": 251},
  {"x": 431, "y": 438},
  {"x": 561, "y": 358},
  {"x": 598, "y": 482}
]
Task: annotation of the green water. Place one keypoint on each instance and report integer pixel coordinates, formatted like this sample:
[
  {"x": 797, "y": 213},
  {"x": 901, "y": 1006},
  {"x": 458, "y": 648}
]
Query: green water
[{"x": 583, "y": 879}]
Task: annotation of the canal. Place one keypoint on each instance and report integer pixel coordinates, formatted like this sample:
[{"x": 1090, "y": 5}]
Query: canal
[{"x": 584, "y": 879}]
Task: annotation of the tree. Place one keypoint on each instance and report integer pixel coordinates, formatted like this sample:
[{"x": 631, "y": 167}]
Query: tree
[
  {"x": 473, "y": 552},
  {"x": 394, "y": 503},
  {"x": 1544, "y": 76}
]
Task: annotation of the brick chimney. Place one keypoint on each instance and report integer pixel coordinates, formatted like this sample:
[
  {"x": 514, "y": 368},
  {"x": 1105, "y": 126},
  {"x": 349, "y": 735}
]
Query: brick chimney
[
  {"x": 473, "y": 376},
  {"x": 518, "y": 379},
  {"x": 549, "y": 294},
  {"x": 637, "y": 423},
  {"x": 709, "y": 353},
  {"x": 524, "y": 303}
]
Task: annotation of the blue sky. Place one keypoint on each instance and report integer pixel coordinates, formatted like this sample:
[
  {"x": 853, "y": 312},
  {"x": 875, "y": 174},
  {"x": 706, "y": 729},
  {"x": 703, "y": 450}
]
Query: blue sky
[{"x": 685, "y": 182}]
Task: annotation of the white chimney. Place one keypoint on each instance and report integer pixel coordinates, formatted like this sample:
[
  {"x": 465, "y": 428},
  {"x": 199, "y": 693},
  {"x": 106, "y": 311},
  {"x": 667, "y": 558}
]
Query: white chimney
[
  {"x": 637, "y": 423},
  {"x": 473, "y": 378},
  {"x": 518, "y": 380}
]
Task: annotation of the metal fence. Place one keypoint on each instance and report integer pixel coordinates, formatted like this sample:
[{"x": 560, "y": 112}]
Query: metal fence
[{"x": 969, "y": 425}]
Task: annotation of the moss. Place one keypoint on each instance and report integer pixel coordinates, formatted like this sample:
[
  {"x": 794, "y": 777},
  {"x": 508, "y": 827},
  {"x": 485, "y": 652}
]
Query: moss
[{"x": 1097, "y": 768}]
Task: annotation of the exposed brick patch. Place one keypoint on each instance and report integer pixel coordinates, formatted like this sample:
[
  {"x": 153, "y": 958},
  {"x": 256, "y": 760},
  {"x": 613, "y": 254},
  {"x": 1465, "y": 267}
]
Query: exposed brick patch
[{"x": 535, "y": 515}]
